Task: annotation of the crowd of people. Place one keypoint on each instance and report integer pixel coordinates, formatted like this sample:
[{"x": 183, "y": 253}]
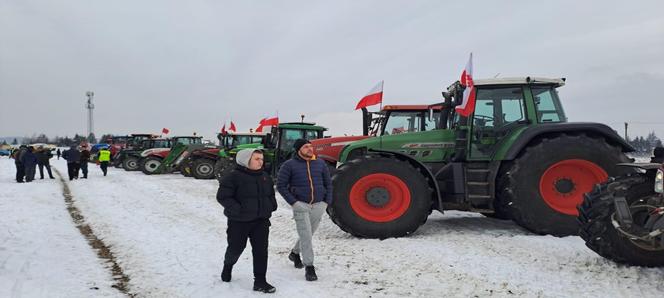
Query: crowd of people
[{"x": 28, "y": 158}]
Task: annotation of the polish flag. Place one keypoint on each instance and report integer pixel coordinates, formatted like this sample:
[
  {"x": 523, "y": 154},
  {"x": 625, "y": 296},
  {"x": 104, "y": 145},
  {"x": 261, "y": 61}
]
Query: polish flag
[
  {"x": 165, "y": 131},
  {"x": 232, "y": 128},
  {"x": 467, "y": 105},
  {"x": 274, "y": 121},
  {"x": 223, "y": 129},
  {"x": 374, "y": 97}
]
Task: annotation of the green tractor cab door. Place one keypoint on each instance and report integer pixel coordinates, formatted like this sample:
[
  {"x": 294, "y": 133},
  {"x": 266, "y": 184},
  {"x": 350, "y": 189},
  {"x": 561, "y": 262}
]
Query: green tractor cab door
[{"x": 499, "y": 112}]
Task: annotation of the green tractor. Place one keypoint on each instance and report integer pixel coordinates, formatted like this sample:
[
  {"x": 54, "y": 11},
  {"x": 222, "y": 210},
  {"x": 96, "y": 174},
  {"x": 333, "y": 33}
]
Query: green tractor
[
  {"x": 277, "y": 148},
  {"x": 200, "y": 163},
  {"x": 516, "y": 157},
  {"x": 167, "y": 160},
  {"x": 131, "y": 156}
]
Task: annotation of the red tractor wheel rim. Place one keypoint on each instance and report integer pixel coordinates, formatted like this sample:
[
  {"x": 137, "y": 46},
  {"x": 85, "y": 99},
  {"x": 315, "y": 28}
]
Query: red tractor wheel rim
[
  {"x": 563, "y": 184},
  {"x": 380, "y": 197}
]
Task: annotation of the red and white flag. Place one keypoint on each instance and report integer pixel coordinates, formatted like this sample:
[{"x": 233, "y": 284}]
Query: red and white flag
[
  {"x": 223, "y": 129},
  {"x": 274, "y": 121},
  {"x": 467, "y": 105},
  {"x": 165, "y": 131},
  {"x": 232, "y": 128},
  {"x": 374, "y": 97}
]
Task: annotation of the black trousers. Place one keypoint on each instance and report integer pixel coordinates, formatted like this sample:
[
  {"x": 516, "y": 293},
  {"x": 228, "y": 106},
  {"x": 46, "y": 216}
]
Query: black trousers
[
  {"x": 104, "y": 167},
  {"x": 72, "y": 170},
  {"x": 257, "y": 231},
  {"x": 30, "y": 172},
  {"x": 84, "y": 168},
  {"x": 48, "y": 169},
  {"x": 20, "y": 171}
]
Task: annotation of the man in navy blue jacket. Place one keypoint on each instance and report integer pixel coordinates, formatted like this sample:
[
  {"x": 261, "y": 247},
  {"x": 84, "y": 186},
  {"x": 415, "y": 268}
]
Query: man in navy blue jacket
[{"x": 304, "y": 182}]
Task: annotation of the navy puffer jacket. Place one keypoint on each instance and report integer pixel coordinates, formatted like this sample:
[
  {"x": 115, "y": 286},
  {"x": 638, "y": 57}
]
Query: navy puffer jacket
[{"x": 306, "y": 181}]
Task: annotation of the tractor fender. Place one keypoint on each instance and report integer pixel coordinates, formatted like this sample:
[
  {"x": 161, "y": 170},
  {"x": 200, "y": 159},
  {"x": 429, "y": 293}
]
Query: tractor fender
[
  {"x": 417, "y": 164},
  {"x": 534, "y": 132},
  {"x": 647, "y": 166}
]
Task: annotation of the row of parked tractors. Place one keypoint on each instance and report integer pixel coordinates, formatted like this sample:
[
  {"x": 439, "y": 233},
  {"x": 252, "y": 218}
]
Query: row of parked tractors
[{"x": 515, "y": 158}]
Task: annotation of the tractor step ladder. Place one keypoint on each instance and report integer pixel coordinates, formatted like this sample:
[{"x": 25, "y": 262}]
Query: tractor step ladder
[{"x": 478, "y": 188}]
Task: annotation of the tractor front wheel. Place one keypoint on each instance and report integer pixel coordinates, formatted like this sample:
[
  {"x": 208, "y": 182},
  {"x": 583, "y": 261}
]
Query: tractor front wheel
[
  {"x": 379, "y": 197},
  {"x": 150, "y": 165},
  {"x": 130, "y": 163},
  {"x": 203, "y": 168}
]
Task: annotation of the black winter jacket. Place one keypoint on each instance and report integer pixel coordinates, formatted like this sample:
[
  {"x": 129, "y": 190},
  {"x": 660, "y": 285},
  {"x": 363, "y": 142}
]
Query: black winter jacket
[{"x": 247, "y": 195}]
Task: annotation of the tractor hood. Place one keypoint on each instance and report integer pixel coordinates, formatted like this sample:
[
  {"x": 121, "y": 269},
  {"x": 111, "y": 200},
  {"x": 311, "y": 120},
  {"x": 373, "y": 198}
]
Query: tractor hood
[
  {"x": 154, "y": 151},
  {"x": 330, "y": 148}
]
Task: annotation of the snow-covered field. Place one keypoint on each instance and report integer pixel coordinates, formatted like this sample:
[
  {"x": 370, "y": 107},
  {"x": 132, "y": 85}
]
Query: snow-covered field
[{"x": 167, "y": 233}]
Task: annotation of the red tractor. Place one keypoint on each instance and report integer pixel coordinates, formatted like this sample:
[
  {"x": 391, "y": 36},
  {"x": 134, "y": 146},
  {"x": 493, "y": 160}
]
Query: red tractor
[
  {"x": 152, "y": 158},
  {"x": 390, "y": 120}
]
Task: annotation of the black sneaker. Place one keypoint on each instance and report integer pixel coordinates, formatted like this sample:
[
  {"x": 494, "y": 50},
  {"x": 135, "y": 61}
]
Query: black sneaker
[
  {"x": 297, "y": 262},
  {"x": 310, "y": 273},
  {"x": 263, "y": 286},
  {"x": 226, "y": 273}
]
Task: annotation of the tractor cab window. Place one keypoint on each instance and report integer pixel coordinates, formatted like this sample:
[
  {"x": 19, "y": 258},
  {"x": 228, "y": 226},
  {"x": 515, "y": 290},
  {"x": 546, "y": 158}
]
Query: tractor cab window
[
  {"x": 403, "y": 122},
  {"x": 256, "y": 140},
  {"x": 548, "y": 105},
  {"x": 288, "y": 138},
  {"x": 498, "y": 111},
  {"x": 434, "y": 122},
  {"x": 161, "y": 144},
  {"x": 312, "y": 135}
]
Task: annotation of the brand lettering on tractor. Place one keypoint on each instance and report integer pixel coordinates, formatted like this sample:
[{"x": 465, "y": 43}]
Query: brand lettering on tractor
[{"x": 440, "y": 145}]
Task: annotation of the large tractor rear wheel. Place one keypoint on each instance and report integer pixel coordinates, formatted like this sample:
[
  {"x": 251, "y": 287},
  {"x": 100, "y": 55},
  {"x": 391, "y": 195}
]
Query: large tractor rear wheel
[
  {"x": 150, "y": 164},
  {"x": 596, "y": 216},
  {"x": 203, "y": 168},
  {"x": 379, "y": 197},
  {"x": 546, "y": 183},
  {"x": 130, "y": 163}
]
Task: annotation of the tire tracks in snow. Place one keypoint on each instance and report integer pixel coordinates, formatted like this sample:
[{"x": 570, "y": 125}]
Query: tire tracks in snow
[{"x": 120, "y": 279}]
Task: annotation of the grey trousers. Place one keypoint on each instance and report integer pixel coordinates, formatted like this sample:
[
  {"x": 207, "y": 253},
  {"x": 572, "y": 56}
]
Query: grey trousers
[{"x": 307, "y": 217}]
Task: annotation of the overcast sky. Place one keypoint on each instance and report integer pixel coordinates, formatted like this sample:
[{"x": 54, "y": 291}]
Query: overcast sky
[{"x": 190, "y": 65}]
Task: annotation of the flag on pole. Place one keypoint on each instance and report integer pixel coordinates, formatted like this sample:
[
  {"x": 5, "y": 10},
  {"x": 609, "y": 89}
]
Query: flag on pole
[
  {"x": 232, "y": 128},
  {"x": 467, "y": 105},
  {"x": 165, "y": 131},
  {"x": 223, "y": 129},
  {"x": 374, "y": 97},
  {"x": 274, "y": 121}
]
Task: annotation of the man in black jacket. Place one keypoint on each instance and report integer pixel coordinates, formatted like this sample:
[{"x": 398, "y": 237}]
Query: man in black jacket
[
  {"x": 247, "y": 194},
  {"x": 73, "y": 157},
  {"x": 43, "y": 156}
]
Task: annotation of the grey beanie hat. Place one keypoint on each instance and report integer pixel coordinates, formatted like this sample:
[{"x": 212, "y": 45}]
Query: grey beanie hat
[{"x": 244, "y": 156}]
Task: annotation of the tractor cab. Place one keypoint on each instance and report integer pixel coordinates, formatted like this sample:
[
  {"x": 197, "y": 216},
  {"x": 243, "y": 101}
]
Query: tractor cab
[
  {"x": 231, "y": 139},
  {"x": 187, "y": 140},
  {"x": 398, "y": 119},
  {"x": 137, "y": 139},
  {"x": 281, "y": 139},
  {"x": 503, "y": 108}
]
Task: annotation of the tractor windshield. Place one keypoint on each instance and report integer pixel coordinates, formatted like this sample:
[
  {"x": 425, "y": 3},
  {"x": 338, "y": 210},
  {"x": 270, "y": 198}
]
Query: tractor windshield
[
  {"x": 399, "y": 122},
  {"x": 548, "y": 105},
  {"x": 241, "y": 140}
]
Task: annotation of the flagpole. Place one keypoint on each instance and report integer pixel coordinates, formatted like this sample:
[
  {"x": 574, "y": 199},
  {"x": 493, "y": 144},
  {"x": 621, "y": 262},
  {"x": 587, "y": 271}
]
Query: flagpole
[{"x": 382, "y": 85}]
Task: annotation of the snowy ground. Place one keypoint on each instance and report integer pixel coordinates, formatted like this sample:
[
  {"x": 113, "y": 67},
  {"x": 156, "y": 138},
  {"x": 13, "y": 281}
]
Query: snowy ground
[{"x": 168, "y": 234}]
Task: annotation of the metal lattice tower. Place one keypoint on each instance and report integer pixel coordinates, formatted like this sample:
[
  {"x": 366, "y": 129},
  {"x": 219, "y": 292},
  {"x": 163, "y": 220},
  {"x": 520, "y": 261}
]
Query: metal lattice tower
[{"x": 90, "y": 106}]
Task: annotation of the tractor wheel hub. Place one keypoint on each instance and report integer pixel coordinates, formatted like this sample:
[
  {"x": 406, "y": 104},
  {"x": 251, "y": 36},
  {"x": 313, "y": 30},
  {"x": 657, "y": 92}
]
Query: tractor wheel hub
[
  {"x": 378, "y": 197},
  {"x": 565, "y": 185}
]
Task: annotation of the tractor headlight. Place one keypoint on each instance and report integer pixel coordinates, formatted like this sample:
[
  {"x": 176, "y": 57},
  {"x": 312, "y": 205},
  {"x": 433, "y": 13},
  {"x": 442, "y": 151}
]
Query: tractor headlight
[{"x": 659, "y": 182}]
